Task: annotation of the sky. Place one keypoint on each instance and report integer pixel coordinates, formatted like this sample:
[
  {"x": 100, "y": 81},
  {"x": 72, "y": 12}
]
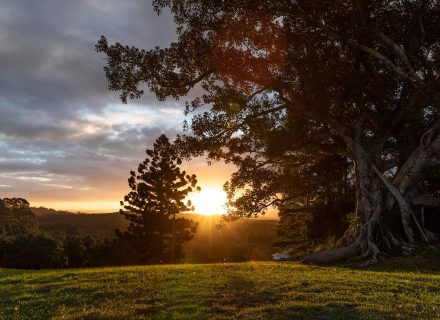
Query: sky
[{"x": 66, "y": 141}]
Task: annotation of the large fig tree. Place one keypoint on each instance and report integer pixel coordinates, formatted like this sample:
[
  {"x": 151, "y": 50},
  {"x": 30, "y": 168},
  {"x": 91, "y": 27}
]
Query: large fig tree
[{"x": 275, "y": 83}]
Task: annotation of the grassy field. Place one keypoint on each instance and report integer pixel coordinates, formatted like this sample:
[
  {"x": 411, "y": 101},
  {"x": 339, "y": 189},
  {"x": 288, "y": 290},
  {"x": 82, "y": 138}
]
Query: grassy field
[{"x": 263, "y": 290}]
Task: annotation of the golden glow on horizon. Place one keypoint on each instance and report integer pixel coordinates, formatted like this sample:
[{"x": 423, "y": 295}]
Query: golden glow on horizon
[
  {"x": 209, "y": 201},
  {"x": 82, "y": 206}
]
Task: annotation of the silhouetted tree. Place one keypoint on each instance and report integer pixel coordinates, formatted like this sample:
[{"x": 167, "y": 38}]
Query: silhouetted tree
[
  {"x": 159, "y": 189},
  {"x": 284, "y": 81},
  {"x": 16, "y": 218}
]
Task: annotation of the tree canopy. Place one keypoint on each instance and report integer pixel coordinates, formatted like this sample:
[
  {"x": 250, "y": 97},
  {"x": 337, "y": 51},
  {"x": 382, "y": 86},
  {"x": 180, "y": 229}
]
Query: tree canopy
[
  {"x": 290, "y": 84},
  {"x": 16, "y": 218}
]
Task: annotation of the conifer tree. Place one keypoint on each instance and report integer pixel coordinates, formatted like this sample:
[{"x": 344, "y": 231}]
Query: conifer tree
[{"x": 158, "y": 191}]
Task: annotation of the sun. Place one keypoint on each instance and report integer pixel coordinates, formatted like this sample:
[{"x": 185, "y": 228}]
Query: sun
[{"x": 209, "y": 201}]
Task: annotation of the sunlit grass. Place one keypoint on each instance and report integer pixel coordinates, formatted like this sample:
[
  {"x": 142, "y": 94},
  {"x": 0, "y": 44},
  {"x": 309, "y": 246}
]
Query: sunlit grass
[{"x": 263, "y": 290}]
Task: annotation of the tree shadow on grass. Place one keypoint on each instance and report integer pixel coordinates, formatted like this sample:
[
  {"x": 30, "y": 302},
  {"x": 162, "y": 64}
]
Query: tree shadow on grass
[
  {"x": 241, "y": 298},
  {"x": 235, "y": 295},
  {"x": 237, "y": 292},
  {"x": 415, "y": 264},
  {"x": 322, "y": 312},
  {"x": 419, "y": 264},
  {"x": 48, "y": 297}
]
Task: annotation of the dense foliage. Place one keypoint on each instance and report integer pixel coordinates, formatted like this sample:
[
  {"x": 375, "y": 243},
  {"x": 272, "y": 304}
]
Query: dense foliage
[
  {"x": 16, "y": 218},
  {"x": 32, "y": 252}
]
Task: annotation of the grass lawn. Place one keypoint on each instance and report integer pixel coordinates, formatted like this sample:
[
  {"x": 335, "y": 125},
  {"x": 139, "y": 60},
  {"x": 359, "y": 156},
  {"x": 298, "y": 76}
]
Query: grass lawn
[{"x": 254, "y": 290}]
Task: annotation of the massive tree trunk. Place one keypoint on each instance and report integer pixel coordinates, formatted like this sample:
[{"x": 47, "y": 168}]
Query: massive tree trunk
[{"x": 386, "y": 204}]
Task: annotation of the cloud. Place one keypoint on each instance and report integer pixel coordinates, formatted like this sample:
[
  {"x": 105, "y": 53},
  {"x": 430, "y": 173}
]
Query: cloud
[{"x": 63, "y": 135}]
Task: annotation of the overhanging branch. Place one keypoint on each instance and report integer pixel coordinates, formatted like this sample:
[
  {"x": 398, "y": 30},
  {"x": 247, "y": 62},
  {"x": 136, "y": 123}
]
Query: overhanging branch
[{"x": 398, "y": 71}]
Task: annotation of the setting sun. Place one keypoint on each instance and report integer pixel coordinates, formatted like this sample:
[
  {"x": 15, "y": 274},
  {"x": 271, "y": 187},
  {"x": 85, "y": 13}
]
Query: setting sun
[{"x": 209, "y": 201}]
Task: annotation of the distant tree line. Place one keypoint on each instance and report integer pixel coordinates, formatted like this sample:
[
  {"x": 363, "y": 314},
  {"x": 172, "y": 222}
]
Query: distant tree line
[
  {"x": 23, "y": 246},
  {"x": 155, "y": 234},
  {"x": 38, "y": 251}
]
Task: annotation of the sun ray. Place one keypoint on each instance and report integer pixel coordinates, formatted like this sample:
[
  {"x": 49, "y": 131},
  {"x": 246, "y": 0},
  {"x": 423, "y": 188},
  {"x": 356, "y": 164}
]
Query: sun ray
[{"x": 209, "y": 201}]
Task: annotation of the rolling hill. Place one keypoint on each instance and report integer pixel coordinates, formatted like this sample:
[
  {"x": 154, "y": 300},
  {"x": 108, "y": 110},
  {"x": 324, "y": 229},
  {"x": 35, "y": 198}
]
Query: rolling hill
[{"x": 247, "y": 239}]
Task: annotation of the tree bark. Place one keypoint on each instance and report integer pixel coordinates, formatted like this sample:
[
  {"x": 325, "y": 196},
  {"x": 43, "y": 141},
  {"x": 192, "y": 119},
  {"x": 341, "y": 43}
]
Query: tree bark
[{"x": 381, "y": 201}]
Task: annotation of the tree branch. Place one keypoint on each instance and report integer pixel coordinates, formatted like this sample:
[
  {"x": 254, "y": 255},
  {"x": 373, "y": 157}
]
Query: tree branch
[
  {"x": 399, "y": 72},
  {"x": 405, "y": 209},
  {"x": 400, "y": 53},
  {"x": 189, "y": 83}
]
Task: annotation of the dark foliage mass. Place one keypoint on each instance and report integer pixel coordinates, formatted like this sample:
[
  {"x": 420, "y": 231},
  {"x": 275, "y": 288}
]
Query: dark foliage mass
[
  {"x": 32, "y": 252},
  {"x": 16, "y": 218},
  {"x": 312, "y": 100},
  {"x": 158, "y": 191},
  {"x": 42, "y": 252}
]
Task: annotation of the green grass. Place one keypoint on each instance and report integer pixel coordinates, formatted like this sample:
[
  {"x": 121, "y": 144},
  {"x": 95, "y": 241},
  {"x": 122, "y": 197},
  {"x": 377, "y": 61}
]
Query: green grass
[{"x": 255, "y": 290}]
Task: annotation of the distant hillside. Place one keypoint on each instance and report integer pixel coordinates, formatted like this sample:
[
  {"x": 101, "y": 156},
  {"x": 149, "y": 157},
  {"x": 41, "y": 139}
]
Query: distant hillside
[
  {"x": 100, "y": 226},
  {"x": 248, "y": 239}
]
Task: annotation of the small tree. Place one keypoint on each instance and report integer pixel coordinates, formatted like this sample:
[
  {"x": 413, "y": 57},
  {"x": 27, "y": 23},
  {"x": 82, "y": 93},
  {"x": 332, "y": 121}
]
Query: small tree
[{"x": 158, "y": 191}]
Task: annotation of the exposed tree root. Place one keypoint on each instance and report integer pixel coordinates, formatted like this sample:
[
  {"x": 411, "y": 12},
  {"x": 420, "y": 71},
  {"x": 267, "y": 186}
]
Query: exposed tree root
[
  {"x": 374, "y": 240},
  {"x": 332, "y": 255}
]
